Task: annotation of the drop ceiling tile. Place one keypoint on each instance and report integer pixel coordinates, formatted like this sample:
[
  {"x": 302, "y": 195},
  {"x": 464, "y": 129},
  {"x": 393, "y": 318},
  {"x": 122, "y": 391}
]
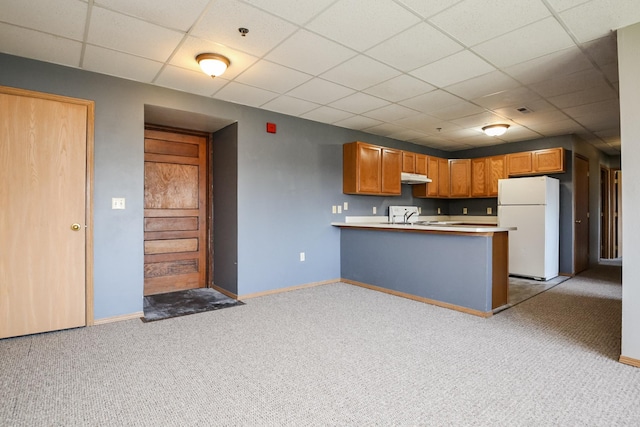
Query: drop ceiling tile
[
  {"x": 320, "y": 91},
  {"x": 562, "y": 84},
  {"x": 385, "y": 129},
  {"x": 288, "y": 105},
  {"x": 119, "y": 64},
  {"x": 265, "y": 30},
  {"x": 391, "y": 113},
  {"x": 245, "y": 95},
  {"x": 542, "y": 117},
  {"x": 65, "y": 19},
  {"x": 310, "y": 53},
  {"x": 596, "y": 18},
  {"x": 474, "y": 21},
  {"x": 453, "y": 69},
  {"x": 428, "y": 8},
  {"x": 603, "y": 107},
  {"x": 553, "y": 65},
  {"x": 486, "y": 84},
  {"x": 519, "y": 133},
  {"x": 189, "y": 81},
  {"x": 456, "y": 111},
  {"x": 327, "y": 115},
  {"x": 185, "y": 57},
  {"x": 561, "y": 127},
  {"x": 360, "y": 73},
  {"x": 611, "y": 72},
  {"x": 359, "y": 103},
  {"x": 458, "y": 134},
  {"x": 357, "y": 122},
  {"x": 399, "y": 88},
  {"x": 603, "y": 51},
  {"x": 125, "y": 34},
  {"x": 560, "y": 5},
  {"x": 535, "y": 40},
  {"x": 407, "y": 135},
  {"x": 299, "y": 11},
  {"x": 431, "y": 101},
  {"x": 508, "y": 98},
  {"x": 274, "y": 77},
  {"x": 598, "y": 121},
  {"x": 40, "y": 46},
  {"x": 178, "y": 15},
  {"x": 594, "y": 93},
  {"x": 361, "y": 24},
  {"x": 406, "y": 52},
  {"x": 479, "y": 120},
  {"x": 422, "y": 122}
]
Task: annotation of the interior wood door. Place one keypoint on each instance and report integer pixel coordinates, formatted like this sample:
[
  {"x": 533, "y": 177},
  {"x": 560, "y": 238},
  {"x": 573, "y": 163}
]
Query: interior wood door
[
  {"x": 44, "y": 157},
  {"x": 175, "y": 211},
  {"x": 581, "y": 212}
]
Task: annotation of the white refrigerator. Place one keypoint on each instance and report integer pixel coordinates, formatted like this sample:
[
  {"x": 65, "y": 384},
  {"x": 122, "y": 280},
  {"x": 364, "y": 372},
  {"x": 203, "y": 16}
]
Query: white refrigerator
[{"x": 532, "y": 205}]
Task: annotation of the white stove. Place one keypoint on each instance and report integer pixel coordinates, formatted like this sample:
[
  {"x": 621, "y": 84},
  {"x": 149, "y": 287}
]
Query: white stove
[{"x": 403, "y": 214}]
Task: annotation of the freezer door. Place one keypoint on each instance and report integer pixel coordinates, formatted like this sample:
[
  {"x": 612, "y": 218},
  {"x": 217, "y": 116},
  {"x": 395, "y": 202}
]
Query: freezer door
[
  {"x": 523, "y": 191},
  {"x": 527, "y": 248}
]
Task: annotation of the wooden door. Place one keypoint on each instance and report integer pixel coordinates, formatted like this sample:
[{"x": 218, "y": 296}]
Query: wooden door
[
  {"x": 460, "y": 175},
  {"x": 45, "y": 157},
  {"x": 479, "y": 177},
  {"x": 175, "y": 211},
  {"x": 369, "y": 169},
  {"x": 391, "y": 169},
  {"x": 581, "y": 212}
]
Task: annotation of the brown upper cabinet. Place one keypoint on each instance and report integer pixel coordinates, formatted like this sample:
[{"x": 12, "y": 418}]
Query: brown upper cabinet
[
  {"x": 421, "y": 164},
  {"x": 460, "y": 178},
  {"x": 370, "y": 169},
  {"x": 535, "y": 162},
  {"x": 408, "y": 162},
  {"x": 443, "y": 178},
  {"x": 485, "y": 173},
  {"x": 437, "y": 170}
]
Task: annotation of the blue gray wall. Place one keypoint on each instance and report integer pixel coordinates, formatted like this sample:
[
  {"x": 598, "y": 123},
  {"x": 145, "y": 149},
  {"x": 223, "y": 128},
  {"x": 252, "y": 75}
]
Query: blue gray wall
[{"x": 285, "y": 184}]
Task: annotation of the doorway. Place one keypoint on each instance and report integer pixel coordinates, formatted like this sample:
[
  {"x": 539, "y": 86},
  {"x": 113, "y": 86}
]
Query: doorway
[
  {"x": 581, "y": 212},
  {"x": 46, "y": 158},
  {"x": 175, "y": 210}
]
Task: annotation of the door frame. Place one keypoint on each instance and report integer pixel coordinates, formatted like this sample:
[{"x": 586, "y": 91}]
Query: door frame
[
  {"x": 208, "y": 279},
  {"x": 575, "y": 204},
  {"x": 89, "y": 183}
]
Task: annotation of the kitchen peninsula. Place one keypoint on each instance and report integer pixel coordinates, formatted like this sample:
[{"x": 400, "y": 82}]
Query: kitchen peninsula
[{"x": 459, "y": 266}]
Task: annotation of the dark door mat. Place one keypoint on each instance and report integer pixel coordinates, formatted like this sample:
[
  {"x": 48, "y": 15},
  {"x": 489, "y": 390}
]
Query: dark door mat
[{"x": 182, "y": 303}]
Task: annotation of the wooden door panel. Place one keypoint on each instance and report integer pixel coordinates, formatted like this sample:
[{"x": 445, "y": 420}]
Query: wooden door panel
[
  {"x": 479, "y": 177},
  {"x": 175, "y": 228},
  {"x": 43, "y": 155}
]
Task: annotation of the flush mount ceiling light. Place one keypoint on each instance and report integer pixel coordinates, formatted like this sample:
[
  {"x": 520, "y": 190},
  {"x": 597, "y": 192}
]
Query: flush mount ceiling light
[
  {"x": 495, "y": 130},
  {"x": 212, "y": 64}
]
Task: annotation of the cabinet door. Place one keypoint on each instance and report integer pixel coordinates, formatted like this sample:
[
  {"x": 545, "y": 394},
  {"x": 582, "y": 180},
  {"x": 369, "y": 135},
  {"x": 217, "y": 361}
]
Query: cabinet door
[
  {"x": 443, "y": 178},
  {"x": 432, "y": 172},
  {"x": 421, "y": 164},
  {"x": 460, "y": 173},
  {"x": 368, "y": 168},
  {"x": 408, "y": 162},
  {"x": 496, "y": 169},
  {"x": 391, "y": 169},
  {"x": 550, "y": 160},
  {"x": 479, "y": 177},
  {"x": 519, "y": 163}
]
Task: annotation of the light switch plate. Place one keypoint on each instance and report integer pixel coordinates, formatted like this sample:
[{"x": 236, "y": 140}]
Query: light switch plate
[{"x": 117, "y": 203}]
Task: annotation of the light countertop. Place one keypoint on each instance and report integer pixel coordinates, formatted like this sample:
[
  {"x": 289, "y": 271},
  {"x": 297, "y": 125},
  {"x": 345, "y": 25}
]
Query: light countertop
[{"x": 468, "y": 225}]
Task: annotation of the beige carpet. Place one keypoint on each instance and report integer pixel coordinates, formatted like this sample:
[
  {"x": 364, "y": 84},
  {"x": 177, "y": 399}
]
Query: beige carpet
[{"x": 336, "y": 355}]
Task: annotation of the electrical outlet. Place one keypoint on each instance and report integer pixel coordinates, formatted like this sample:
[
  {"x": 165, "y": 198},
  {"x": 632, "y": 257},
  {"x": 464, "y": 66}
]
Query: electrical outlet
[
  {"x": 419, "y": 210},
  {"x": 117, "y": 203},
  {"x": 489, "y": 211},
  {"x": 302, "y": 256},
  {"x": 334, "y": 209},
  {"x": 464, "y": 211},
  {"x": 439, "y": 211},
  {"x": 339, "y": 209},
  {"x": 375, "y": 210},
  {"x": 346, "y": 206}
]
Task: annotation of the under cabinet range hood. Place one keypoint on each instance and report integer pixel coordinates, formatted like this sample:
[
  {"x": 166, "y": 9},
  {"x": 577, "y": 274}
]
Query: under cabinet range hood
[{"x": 413, "y": 178}]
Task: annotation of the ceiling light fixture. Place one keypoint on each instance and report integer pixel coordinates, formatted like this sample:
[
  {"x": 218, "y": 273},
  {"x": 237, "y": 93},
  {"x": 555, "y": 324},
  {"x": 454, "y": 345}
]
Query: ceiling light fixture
[
  {"x": 495, "y": 130},
  {"x": 212, "y": 64}
]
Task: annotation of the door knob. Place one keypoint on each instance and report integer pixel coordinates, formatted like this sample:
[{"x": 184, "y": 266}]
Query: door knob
[
  {"x": 75, "y": 227},
  {"x": 578, "y": 221}
]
